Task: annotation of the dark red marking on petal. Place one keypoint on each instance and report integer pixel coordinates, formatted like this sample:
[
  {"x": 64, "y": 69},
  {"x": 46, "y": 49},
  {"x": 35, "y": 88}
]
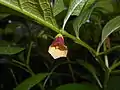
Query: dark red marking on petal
[{"x": 58, "y": 41}]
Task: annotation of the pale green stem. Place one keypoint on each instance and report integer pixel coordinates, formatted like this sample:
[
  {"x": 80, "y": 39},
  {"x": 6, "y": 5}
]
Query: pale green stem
[
  {"x": 107, "y": 71},
  {"x": 98, "y": 81},
  {"x": 105, "y": 56},
  {"x": 13, "y": 76},
  {"x": 15, "y": 61}
]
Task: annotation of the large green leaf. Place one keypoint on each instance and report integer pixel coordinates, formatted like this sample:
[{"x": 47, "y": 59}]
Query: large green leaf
[
  {"x": 109, "y": 28},
  {"x": 58, "y": 7},
  {"x": 76, "y": 86},
  {"x": 8, "y": 50},
  {"x": 72, "y": 6},
  {"x": 30, "y": 82},
  {"x": 39, "y": 10}
]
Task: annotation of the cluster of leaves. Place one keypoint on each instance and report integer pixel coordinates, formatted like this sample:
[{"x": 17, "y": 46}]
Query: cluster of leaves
[{"x": 27, "y": 30}]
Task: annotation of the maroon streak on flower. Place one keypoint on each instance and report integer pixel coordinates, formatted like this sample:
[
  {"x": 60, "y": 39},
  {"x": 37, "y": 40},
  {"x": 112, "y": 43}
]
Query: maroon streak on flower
[{"x": 58, "y": 49}]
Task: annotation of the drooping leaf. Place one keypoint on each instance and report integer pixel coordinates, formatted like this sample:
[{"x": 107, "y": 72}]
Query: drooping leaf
[
  {"x": 72, "y": 6},
  {"x": 8, "y": 50},
  {"x": 109, "y": 28},
  {"x": 76, "y": 86},
  {"x": 30, "y": 82},
  {"x": 81, "y": 19},
  {"x": 58, "y": 7},
  {"x": 92, "y": 70}
]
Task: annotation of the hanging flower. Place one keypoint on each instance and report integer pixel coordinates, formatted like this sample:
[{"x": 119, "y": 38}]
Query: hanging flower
[{"x": 58, "y": 49}]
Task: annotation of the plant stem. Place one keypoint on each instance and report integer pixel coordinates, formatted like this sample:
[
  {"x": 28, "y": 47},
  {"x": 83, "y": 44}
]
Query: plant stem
[
  {"x": 107, "y": 71},
  {"x": 27, "y": 64},
  {"x": 114, "y": 66},
  {"x": 115, "y": 72},
  {"x": 28, "y": 55},
  {"x": 32, "y": 73},
  {"x": 17, "y": 62},
  {"x": 106, "y": 78},
  {"x": 98, "y": 81},
  {"x": 13, "y": 76},
  {"x": 109, "y": 50},
  {"x": 71, "y": 70},
  {"x": 17, "y": 65},
  {"x": 79, "y": 41},
  {"x": 105, "y": 56},
  {"x": 101, "y": 62}
]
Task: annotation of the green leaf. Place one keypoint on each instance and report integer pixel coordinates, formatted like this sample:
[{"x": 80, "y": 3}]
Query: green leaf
[
  {"x": 81, "y": 19},
  {"x": 58, "y": 7},
  {"x": 109, "y": 28},
  {"x": 84, "y": 4},
  {"x": 76, "y": 86},
  {"x": 8, "y": 50},
  {"x": 39, "y": 10},
  {"x": 47, "y": 11},
  {"x": 30, "y": 82},
  {"x": 72, "y": 6}
]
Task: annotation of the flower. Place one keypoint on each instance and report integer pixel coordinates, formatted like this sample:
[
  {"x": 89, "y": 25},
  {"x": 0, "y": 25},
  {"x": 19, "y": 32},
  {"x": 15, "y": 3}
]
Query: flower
[{"x": 58, "y": 49}]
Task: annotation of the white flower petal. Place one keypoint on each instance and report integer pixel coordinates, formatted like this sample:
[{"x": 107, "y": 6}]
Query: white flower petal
[{"x": 57, "y": 53}]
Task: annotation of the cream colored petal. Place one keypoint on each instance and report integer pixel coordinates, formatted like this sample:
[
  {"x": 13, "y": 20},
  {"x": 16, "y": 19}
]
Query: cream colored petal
[{"x": 57, "y": 53}]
